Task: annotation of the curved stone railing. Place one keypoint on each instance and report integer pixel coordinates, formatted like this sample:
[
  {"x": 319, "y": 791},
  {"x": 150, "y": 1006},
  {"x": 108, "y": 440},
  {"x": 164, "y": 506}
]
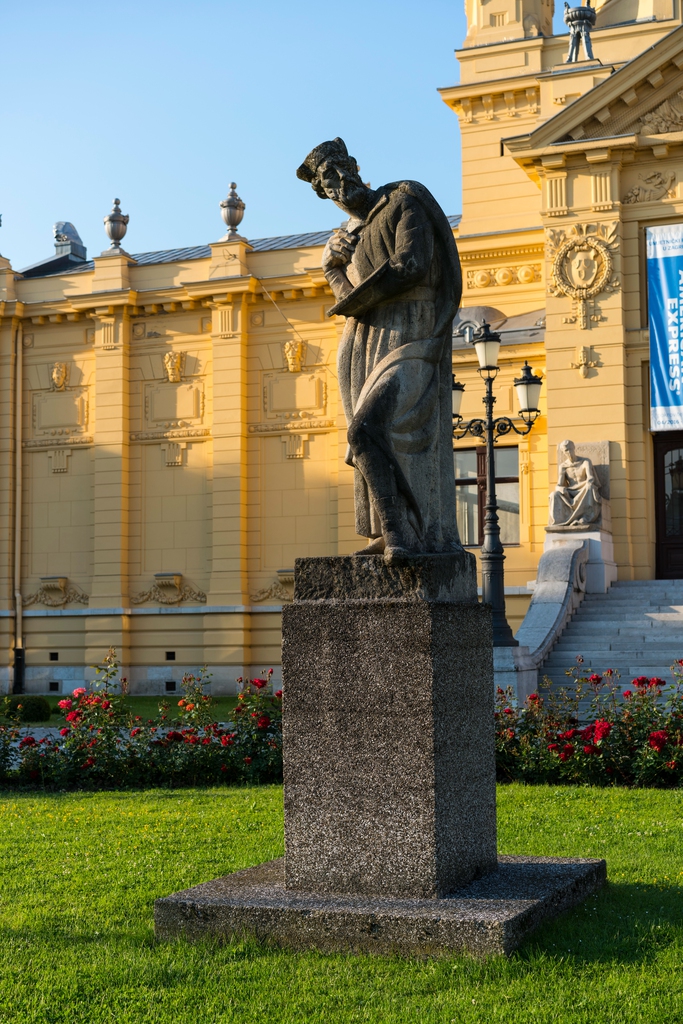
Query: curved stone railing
[{"x": 560, "y": 589}]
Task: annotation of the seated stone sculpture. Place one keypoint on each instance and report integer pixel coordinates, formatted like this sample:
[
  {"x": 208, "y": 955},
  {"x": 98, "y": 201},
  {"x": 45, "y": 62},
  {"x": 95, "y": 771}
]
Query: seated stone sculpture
[{"x": 576, "y": 501}]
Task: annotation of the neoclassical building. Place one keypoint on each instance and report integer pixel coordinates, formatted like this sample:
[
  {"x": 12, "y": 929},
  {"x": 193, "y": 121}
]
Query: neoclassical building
[{"x": 172, "y": 438}]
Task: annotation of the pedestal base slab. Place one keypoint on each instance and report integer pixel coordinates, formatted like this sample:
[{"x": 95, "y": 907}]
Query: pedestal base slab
[{"x": 490, "y": 916}]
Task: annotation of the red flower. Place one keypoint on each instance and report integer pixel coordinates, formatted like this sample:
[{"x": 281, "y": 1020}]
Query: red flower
[
  {"x": 533, "y": 698},
  {"x": 106, "y": 704},
  {"x": 553, "y": 746},
  {"x": 510, "y": 734},
  {"x": 88, "y": 763},
  {"x": 608, "y": 672},
  {"x": 627, "y": 694},
  {"x": 206, "y": 740},
  {"x": 671, "y": 764},
  {"x": 642, "y": 682},
  {"x": 65, "y": 705},
  {"x": 595, "y": 680},
  {"x": 93, "y": 743},
  {"x": 568, "y": 735},
  {"x": 259, "y": 683},
  {"x": 74, "y": 716},
  {"x": 508, "y": 711},
  {"x": 566, "y": 752},
  {"x": 134, "y": 732},
  {"x": 263, "y": 722},
  {"x": 247, "y": 760},
  {"x": 224, "y": 768},
  {"x": 588, "y": 732},
  {"x": 590, "y": 748},
  {"x": 175, "y": 737},
  {"x": 278, "y": 693},
  {"x": 227, "y": 741},
  {"x": 64, "y": 732},
  {"x": 28, "y": 741},
  {"x": 658, "y": 740},
  {"x": 499, "y": 690},
  {"x": 602, "y": 729},
  {"x": 655, "y": 682},
  {"x": 192, "y": 739}
]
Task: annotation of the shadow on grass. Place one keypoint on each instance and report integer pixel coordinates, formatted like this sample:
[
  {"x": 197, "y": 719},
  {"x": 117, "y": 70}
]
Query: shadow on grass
[{"x": 622, "y": 924}]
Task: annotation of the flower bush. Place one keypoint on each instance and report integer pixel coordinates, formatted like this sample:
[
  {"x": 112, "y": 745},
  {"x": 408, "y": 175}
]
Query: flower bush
[
  {"x": 629, "y": 739},
  {"x": 101, "y": 745}
]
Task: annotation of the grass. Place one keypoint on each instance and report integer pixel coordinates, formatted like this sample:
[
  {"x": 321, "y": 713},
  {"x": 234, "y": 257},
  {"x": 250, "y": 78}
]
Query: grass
[
  {"x": 80, "y": 874},
  {"x": 145, "y": 707}
]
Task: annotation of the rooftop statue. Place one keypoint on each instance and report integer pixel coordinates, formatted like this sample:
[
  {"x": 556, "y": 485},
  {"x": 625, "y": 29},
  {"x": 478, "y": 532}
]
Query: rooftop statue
[
  {"x": 580, "y": 21},
  {"x": 395, "y": 272},
  {"x": 576, "y": 501}
]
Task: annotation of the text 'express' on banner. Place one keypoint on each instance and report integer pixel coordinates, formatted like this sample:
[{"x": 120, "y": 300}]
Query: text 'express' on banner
[{"x": 665, "y": 300}]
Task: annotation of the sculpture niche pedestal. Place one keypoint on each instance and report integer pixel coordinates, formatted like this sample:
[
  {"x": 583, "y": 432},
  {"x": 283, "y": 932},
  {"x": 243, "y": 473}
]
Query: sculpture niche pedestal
[{"x": 389, "y": 770}]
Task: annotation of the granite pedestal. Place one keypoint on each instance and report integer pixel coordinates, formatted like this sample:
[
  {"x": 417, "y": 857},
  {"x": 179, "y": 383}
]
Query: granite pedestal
[{"x": 389, "y": 777}]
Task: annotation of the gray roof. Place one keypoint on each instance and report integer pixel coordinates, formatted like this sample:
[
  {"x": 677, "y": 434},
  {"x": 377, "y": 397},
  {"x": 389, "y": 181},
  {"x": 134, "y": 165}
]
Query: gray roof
[
  {"x": 513, "y": 330},
  {"x": 200, "y": 252}
]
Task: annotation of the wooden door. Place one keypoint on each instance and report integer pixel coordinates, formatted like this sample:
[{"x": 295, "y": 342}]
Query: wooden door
[{"x": 668, "y": 452}]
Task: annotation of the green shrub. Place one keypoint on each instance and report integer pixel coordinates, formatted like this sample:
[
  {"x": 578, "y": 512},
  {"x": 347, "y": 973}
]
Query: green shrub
[{"x": 28, "y": 707}]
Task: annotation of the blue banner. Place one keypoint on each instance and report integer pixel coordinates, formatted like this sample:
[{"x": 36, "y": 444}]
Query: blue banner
[{"x": 665, "y": 300}]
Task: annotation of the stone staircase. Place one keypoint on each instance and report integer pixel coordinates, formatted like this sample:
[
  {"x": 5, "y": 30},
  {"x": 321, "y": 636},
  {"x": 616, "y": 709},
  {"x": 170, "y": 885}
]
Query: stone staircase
[{"x": 636, "y": 628}]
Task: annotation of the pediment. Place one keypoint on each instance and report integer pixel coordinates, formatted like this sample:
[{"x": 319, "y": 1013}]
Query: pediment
[{"x": 644, "y": 97}]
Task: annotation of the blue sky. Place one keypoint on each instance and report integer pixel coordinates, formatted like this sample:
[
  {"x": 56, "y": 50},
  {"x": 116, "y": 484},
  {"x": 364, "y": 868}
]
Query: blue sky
[{"x": 163, "y": 104}]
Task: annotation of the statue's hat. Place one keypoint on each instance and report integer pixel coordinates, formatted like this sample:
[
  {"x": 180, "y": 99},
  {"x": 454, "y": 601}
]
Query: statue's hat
[{"x": 335, "y": 150}]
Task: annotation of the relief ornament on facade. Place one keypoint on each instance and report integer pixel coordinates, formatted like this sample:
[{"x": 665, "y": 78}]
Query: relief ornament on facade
[
  {"x": 294, "y": 354},
  {"x": 58, "y": 375},
  {"x": 54, "y": 592},
  {"x": 655, "y": 186},
  {"x": 667, "y": 117},
  {"x": 582, "y": 267},
  {"x": 173, "y": 365},
  {"x": 168, "y": 588}
]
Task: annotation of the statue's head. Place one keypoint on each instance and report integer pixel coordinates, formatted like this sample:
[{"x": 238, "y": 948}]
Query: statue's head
[
  {"x": 567, "y": 451},
  {"x": 333, "y": 174},
  {"x": 58, "y": 376}
]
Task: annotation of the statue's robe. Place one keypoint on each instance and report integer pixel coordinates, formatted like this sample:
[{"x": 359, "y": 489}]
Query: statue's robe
[
  {"x": 407, "y": 287},
  {"x": 576, "y": 500}
]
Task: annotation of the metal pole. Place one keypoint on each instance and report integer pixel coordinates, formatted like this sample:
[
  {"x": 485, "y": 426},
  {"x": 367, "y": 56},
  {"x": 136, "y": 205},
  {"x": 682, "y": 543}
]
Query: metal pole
[{"x": 492, "y": 554}]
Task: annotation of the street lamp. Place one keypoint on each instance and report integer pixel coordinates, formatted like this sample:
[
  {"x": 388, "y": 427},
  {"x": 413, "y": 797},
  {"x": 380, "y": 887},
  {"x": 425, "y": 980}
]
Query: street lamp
[{"x": 488, "y": 430}]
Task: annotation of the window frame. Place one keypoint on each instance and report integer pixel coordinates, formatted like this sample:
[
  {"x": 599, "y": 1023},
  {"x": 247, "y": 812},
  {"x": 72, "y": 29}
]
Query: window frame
[{"x": 480, "y": 481}]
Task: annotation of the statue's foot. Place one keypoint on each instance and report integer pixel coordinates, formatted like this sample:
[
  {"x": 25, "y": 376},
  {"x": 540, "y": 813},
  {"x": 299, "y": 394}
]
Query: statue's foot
[
  {"x": 375, "y": 547},
  {"x": 394, "y": 555}
]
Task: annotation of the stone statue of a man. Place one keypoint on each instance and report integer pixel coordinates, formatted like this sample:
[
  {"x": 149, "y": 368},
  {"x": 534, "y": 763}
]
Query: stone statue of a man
[
  {"x": 576, "y": 501},
  {"x": 395, "y": 272}
]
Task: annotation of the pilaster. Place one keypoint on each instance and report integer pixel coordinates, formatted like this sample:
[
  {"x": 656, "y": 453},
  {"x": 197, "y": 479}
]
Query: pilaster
[{"x": 110, "y": 482}]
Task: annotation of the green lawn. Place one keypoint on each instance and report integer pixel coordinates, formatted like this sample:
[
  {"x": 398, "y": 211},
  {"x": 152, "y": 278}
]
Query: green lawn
[
  {"x": 146, "y": 707},
  {"x": 80, "y": 874}
]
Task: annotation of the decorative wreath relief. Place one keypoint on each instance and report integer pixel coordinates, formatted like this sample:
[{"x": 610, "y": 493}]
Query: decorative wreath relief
[{"x": 582, "y": 268}]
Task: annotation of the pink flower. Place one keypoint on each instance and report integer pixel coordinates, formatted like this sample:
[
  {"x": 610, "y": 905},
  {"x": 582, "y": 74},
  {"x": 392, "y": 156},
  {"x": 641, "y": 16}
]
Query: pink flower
[
  {"x": 65, "y": 705},
  {"x": 79, "y": 692}
]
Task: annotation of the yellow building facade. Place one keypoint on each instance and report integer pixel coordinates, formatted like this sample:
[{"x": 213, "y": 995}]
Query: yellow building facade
[{"x": 172, "y": 435}]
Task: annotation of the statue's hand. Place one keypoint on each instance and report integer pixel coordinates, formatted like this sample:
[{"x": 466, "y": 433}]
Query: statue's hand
[{"x": 339, "y": 250}]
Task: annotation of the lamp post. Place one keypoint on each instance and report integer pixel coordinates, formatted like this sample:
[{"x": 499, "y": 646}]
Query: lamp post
[{"x": 488, "y": 430}]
